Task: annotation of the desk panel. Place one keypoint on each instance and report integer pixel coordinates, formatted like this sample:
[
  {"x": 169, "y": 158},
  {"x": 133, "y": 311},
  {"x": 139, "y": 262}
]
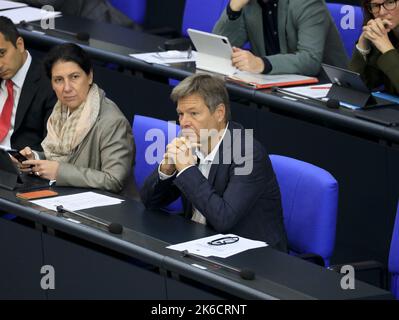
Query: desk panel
[
  {"x": 87, "y": 273},
  {"x": 90, "y": 262},
  {"x": 21, "y": 259}
]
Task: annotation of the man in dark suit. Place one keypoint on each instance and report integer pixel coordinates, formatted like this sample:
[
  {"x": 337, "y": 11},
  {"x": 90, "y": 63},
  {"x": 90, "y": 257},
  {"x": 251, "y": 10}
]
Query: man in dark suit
[
  {"x": 224, "y": 176},
  {"x": 26, "y": 96}
]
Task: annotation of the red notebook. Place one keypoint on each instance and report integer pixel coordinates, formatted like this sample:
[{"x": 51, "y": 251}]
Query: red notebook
[{"x": 264, "y": 81}]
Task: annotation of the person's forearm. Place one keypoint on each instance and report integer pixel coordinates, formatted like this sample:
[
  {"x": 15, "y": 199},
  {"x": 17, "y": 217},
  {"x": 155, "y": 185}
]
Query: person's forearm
[
  {"x": 388, "y": 64},
  {"x": 73, "y": 176}
]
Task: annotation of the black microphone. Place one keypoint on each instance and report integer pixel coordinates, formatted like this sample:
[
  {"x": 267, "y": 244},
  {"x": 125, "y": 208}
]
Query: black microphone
[
  {"x": 246, "y": 274},
  {"x": 330, "y": 103},
  {"x": 112, "y": 227},
  {"x": 81, "y": 36}
]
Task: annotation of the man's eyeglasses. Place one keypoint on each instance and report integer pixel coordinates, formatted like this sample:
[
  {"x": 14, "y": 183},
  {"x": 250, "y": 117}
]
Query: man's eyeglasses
[
  {"x": 375, "y": 8},
  {"x": 223, "y": 241}
]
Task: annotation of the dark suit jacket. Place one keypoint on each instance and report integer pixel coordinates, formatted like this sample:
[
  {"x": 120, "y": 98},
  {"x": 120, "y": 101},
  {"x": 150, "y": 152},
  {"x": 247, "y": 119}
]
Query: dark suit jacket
[
  {"x": 248, "y": 205},
  {"x": 99, "y": 10},
  {"x": 34, "y": 107}
]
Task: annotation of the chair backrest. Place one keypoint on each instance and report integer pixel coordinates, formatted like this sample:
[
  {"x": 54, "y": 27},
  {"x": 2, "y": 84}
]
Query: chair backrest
[
  {"x": 202, "y": 14},
  {"x": 393, "y": 264},
  {"x": 349, "y": 22},
  {"x": 134, "y": 9},
  {"x": 151, "y": 136},
  {"x": 310, "y": 200}
]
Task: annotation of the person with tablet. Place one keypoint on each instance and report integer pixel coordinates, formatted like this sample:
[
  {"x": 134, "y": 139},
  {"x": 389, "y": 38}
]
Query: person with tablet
[
  {"x": 286, "y": 36},
  {"x": 376, "y": 57}
]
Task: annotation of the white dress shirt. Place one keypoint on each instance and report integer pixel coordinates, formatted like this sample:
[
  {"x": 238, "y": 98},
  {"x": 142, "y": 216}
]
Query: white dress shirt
[
  {"x": 18, "y": 81},
  {"x": 204, "y": 165}
]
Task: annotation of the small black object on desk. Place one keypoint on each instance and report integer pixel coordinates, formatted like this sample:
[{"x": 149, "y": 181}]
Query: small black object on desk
[{"x": 112, "y": 227}]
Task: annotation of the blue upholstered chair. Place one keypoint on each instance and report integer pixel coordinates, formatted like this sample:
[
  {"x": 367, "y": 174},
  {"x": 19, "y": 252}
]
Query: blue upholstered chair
[
  {"x": 150, "y": 133},
  {"x": 372, "y": 265},
  {"x": 8, "y": 216},
  {"x": 310, "y": 199},
  {"x": 134, "y": 9},
  {"x": 393, "y": 264},
  {"x": 202, "y": 14},
  {"x": 349, "y": 21}
]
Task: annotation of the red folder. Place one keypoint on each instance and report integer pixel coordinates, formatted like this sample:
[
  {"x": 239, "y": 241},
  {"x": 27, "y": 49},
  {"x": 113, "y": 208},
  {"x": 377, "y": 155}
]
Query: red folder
[{"x": 261, "y": 81}]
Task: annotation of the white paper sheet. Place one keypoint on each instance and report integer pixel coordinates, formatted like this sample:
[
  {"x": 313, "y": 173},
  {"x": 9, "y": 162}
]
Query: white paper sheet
[
  {"x": 165, "y": 57},
  {"x": 29, "y": 14},
  {"x": 317, "y": 91},
  {"x": 78, "y": 201},
  {"x": 203, "y": 248},
  {"x": 5, "y": 5}
]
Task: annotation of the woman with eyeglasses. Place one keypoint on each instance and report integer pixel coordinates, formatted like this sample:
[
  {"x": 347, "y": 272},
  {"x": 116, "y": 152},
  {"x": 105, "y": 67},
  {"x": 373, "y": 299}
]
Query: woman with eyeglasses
[{"x": 376, "y": 56}]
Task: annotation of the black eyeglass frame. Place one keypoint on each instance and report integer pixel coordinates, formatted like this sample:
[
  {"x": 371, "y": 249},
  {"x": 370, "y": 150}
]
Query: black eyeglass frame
[
  {"x": 223, "y": 241},
  {"x": 379, "y": 5}
]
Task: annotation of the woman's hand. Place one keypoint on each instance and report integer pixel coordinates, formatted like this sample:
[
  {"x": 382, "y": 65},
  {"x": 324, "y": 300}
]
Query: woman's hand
[
  {"x": 27, "y": 152},
  {"x": 44, "y": 168},
  {"x": 376, "y": 31}
]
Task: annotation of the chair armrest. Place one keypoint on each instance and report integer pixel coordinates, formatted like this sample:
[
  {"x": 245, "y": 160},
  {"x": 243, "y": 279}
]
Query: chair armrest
[
  {"x": 360, "y": 266},
  {"x": 166, "y": 32},
  {"x": 312, "y": 257},
  {"x": 369, "y": 265},
  {"x": 180, "y": 44}
]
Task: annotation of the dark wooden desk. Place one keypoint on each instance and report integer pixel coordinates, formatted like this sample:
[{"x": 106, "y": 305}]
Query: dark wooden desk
[{"x": 90, "y": 262}]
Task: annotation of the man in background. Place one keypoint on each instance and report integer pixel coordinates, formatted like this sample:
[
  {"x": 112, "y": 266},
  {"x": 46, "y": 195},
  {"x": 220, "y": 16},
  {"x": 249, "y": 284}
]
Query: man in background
[{"x": 26, "y": 96}]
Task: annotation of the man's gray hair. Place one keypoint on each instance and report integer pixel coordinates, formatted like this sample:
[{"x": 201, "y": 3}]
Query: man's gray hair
[{"x": 209, "y": 88}]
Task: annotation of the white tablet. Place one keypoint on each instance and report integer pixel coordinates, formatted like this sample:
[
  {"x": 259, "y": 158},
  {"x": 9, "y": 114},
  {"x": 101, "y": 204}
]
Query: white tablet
[{"x": 214, "y": 52}]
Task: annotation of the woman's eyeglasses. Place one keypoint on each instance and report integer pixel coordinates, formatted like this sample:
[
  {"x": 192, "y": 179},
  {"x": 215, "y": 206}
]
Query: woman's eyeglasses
[
  {"x": 375, "y": 8},
  {"x": 223, "y": 241}
]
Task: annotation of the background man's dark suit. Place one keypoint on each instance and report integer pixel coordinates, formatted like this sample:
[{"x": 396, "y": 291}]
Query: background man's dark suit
[
  {"x": 246, "y": 205},
  {"x": 34, "y": 107},
  {"x": 99, "y": 10}
]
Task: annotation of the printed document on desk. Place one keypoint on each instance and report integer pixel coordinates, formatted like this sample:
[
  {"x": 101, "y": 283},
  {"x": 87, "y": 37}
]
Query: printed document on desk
[
  {"x": 5, "y": 5},
  {"x": 221, "y": 249},
  {"x": 78, "y": 201},
  {"x": 264, "y": 81},
  {"x": 29, "y": 14},
  {"x": 317, "y": 91},
  {"x": 166, "y": 57}
]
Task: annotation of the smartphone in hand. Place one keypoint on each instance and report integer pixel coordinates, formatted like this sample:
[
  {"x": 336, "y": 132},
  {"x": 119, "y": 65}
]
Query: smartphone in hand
[{"x": 17, "y": 155}]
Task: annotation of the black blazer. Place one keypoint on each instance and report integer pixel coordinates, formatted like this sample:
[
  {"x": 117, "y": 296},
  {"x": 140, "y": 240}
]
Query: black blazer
[
  {"x": 248, "y": 205},
  {"x": 99, "y": 10},
  {"x": 35, "y": 105}
]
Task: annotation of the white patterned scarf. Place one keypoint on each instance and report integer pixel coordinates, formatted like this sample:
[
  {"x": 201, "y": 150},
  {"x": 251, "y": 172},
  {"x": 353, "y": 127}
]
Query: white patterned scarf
[{"x": 65, "y": 133}]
